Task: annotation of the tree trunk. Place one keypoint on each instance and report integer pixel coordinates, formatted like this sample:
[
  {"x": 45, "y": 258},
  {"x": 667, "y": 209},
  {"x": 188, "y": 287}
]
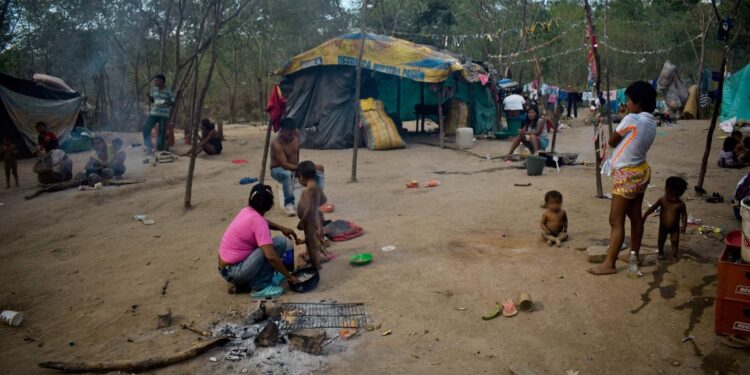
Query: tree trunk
[
  {"x": 217, "y": 9},
  {"x": 712, "y": 127},
  {"x": 717, "y": 109},
  {"x": 357, "y": 88}
]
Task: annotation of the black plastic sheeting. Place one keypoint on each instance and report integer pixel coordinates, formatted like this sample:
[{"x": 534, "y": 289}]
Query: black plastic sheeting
[{"x": 320, "y": 102}]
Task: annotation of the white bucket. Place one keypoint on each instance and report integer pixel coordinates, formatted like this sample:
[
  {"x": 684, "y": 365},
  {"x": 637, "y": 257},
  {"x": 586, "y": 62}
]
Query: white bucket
[
  {"x": 464, "y": 138},
  {"x": 11, "y": 318},
  {"x": 745, "y": 213}
]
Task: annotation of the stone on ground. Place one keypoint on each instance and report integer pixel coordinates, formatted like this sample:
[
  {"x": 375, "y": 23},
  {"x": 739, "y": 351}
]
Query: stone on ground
[{"x": 307, "y": 340}]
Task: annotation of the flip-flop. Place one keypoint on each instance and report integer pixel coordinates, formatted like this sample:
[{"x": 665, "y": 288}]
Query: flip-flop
[
  {"x": 269, "y": 293},
  {"x": 327, "y": 208},
  {"x": 328, "y": 258},
  {"x": 431, "y": 183},
  {"x": 493, "y": 314},
  {"x": 413, "y": 185},
  {"x": 509, "y": 308}
]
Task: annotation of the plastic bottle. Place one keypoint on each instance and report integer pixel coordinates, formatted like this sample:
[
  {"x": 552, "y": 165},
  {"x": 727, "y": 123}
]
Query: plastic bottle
[{"x": 633, "y": 266}]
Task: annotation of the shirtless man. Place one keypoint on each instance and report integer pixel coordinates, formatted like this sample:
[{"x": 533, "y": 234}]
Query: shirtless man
[
  {"x": 554, "y": 221},
  {"x": 673, "y": 216},
  {"x": 284, "y": 159}
]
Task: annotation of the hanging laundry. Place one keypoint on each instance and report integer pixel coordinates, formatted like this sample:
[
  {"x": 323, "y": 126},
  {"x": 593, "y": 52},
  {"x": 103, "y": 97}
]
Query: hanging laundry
[{"x": 276, "y": 107}]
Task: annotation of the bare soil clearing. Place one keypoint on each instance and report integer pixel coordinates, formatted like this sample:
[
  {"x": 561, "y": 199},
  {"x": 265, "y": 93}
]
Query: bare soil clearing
[{"x": 89, "y": 278}]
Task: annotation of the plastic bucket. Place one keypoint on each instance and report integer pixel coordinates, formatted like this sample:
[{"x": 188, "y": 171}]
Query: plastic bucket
[
  {"x": 745, "y": 213},
  {"x": 514, "y": 125},
  {"x": 464, "y": 138},
  {"x": 535, "y": 165}
]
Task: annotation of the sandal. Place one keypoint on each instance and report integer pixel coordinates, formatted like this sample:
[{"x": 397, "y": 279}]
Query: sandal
[
  {"x": 715, "y": 198},
  {"x": 268, "y": 293},
  {"x": 327, "y": 208},
  {"x": 329, "y": 257},
  {"x": 509, "y": 308}
]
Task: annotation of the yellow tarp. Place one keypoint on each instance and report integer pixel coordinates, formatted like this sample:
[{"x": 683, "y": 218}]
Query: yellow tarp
[{"x": 382, "y": 54}]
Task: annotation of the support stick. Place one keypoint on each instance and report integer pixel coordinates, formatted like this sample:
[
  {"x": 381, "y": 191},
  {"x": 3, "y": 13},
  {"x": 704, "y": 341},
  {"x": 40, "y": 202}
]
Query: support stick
[
  {"x": 357, "y": 88},
  {"x": 597, "y": 84},
  {"x": 440, "y": 116}
]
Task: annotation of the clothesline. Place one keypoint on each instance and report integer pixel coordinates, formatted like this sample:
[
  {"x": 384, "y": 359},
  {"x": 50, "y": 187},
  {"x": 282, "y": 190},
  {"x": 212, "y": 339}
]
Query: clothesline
[
  {"x": 653, "y": 52},
  {"x": 547, "y": 57}
]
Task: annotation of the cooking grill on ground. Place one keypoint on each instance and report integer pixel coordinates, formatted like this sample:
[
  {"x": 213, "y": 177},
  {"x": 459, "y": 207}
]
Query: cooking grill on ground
[{"x": 323, "y": 315}]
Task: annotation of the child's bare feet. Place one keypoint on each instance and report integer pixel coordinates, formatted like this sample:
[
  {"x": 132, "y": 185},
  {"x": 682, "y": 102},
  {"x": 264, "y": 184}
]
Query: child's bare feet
[{"x": 602, "y": 269}]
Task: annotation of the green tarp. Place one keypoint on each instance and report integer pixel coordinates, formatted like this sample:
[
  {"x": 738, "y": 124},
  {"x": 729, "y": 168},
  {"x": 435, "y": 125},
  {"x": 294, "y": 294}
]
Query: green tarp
[
  {"x": 735, "y": 100},
  {"x": 478, "y": 98}
]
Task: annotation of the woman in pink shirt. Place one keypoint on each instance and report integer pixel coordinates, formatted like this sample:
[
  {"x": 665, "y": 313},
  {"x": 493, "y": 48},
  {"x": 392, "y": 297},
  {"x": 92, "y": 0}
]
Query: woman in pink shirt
[{"x": 248, "y": 256}]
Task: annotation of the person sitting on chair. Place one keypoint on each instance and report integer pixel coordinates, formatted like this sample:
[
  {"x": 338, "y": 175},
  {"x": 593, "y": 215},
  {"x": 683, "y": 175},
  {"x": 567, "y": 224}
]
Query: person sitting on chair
[{"x": 284, "y": 160}]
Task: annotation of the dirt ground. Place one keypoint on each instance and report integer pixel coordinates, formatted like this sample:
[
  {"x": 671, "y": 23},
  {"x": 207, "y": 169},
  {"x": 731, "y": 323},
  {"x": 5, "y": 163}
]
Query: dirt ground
[{"x": 89, "y": 278}]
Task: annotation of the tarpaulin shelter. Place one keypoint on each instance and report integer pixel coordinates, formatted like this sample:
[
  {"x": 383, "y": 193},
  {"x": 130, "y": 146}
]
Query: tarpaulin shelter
[
  {"x": 319, "y": 85},
  {"x": 735, "y": 100},
  {"x": 24, "y": 103}
]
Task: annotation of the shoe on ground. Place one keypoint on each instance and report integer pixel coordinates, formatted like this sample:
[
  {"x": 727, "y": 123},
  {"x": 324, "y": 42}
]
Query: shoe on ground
[{"x": 289, "y": 210}]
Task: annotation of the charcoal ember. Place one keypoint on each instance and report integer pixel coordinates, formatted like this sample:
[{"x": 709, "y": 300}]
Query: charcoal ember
[{"x": 268, "y": 336}]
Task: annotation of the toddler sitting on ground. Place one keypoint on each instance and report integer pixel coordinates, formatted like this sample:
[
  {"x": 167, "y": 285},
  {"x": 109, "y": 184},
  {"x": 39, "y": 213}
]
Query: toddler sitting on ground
[{"x": 555, "y": 220}]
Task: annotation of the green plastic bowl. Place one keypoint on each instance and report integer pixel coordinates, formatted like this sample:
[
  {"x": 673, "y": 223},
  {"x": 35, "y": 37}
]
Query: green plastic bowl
[{"x": 360, "y": 259}]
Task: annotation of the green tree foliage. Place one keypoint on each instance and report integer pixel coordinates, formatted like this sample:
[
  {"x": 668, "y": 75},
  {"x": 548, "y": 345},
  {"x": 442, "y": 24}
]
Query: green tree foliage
[{"x": 109, "y": 49}]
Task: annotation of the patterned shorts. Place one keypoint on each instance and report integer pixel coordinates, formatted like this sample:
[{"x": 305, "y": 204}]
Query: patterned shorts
[{"x": 630, "y": 182}]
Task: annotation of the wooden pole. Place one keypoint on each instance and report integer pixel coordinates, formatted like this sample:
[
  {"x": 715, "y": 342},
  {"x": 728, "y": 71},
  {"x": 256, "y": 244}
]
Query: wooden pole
[
  {"x": 398, "y": 102},
  {"x": 440, "y": 115},
  {"x": 717, "y": 109},
  {"x": 266, "y": 144},
  {"x": 606, "y": 62},
  {"x": 597, "y": 84},
  {"x": 357, "y": 88},
  {"x": 555, "y": 124},
  {"x": 712, "y": 127}
]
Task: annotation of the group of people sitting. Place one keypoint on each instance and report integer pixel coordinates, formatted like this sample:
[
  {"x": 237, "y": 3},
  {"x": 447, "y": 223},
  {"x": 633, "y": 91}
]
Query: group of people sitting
[
  {"x": 54, "y": 166},
  {"x": 735, "y": 152}
]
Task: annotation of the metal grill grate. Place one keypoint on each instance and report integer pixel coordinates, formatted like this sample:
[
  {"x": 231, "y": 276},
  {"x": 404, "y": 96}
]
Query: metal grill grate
[{"x": 323, "y": 315}]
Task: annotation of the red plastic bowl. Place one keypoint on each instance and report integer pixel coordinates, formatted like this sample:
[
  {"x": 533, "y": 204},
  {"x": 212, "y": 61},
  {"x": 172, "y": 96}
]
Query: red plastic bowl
[{"x": 734, "y": 239}]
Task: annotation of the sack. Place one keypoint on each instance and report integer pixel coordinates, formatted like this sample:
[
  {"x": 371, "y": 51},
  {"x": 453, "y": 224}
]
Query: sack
[
  {"x": 380, "y": 131},
  {"x": 342, "y": 230},
  {"x": 458, "y": 117}
]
